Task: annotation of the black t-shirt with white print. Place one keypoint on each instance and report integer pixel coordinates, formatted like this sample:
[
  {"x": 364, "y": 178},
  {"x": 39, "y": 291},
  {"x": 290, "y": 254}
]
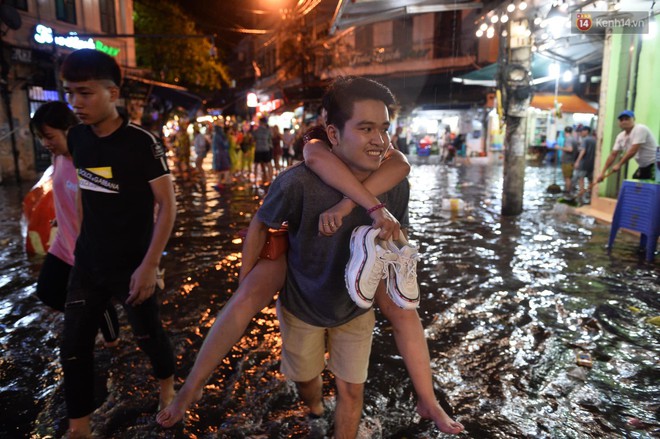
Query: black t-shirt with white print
[{"x": 114, "y": 175}]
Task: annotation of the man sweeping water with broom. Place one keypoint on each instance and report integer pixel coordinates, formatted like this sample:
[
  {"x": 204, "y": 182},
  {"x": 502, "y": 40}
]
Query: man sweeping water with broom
[{"x": 636, "y": 140}]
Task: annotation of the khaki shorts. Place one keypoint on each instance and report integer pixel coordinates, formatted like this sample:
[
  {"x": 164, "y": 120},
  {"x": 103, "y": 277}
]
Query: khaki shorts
[
  {"x": 567, "y": 170},
  {"x": 304, "y": 347}
]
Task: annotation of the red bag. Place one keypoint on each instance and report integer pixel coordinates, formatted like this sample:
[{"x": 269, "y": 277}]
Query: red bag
[{"x": 277, "y": 242}]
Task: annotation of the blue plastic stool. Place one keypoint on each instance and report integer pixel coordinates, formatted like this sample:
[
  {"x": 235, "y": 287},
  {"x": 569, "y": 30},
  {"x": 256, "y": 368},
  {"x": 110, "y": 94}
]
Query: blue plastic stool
[{"x": 638, "y": 209}]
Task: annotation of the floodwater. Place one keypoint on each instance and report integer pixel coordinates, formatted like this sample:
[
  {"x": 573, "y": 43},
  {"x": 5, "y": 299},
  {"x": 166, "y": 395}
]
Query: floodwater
[{"x": 507, "y": 304}]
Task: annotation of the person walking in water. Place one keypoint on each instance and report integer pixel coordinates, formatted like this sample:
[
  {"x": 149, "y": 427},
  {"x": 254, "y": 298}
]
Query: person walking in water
[
  {"x": 51, "y": 123},
  {"x": 122, "y": 175},
  {"x": 261, "y": 278}
]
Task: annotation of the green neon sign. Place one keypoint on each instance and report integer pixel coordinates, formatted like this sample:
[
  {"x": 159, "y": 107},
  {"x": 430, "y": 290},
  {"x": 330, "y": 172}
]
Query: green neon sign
[{"x": 112, "y": 51}]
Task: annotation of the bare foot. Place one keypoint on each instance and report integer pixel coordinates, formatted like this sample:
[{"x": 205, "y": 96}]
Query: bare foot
[
  {"x": 79, "y": 428},
  {"x": 441, "y": 419},
  {"x": 317, "y": 411},
  {"x": 176, "y": 409},
  {"x": 111, "y": 344}
]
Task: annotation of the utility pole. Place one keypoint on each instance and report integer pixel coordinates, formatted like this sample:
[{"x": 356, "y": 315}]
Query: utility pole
[
  {"x": 515, "y": 81},
  {"x": 10, "y": 17}
]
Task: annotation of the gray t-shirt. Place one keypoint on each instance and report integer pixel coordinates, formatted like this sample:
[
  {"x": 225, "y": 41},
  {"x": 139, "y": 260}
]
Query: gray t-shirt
[
  {"x": 263, "y": 139},
  {"x": 589, "y": 146},
  {"x": 315, "y": 290},
  {"x": 569, "y": 157}
]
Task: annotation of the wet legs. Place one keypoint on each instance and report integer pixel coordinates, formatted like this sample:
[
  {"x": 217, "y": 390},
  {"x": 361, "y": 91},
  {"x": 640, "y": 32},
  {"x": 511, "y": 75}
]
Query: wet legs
[
  {"x": 409, "y": 337},
  {"x": 253, "y": 294}
]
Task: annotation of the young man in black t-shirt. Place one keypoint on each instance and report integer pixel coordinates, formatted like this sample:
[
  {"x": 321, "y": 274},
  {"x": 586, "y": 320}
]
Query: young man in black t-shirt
[{"x": 122, "y": 173}]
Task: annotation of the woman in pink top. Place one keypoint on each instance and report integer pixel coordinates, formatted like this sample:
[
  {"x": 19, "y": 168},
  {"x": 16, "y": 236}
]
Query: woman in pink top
[{"x": 50, "y": 124}]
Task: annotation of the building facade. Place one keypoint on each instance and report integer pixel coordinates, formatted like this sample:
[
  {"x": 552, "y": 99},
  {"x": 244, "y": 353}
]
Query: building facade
[
  {"x": 416, "y": 55},
  {"x": 38, "y": 37}
]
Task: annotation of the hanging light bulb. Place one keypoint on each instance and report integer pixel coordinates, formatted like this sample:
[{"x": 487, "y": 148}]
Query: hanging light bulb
[
  {"x": 483, "y": 27},
  {"x": 511, "y": 7},
  {"x": 479, "y": 33},
  {"x": 522, "y": 6},
  {"x": 505, "y": 34},
  {"x": 490, "y": 32},
  {"x": 554, "y": 70},
  {"x": 537, "y": 20},
  {"x": 504, "y": 18},
  {"x": 494, "y": 19}
]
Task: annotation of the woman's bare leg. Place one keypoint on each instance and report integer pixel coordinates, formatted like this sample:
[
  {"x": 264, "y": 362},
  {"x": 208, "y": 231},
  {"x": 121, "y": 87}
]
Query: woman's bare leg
[
  {"x": 253, "y": 294},
  {"x": 410, "y": 340}
]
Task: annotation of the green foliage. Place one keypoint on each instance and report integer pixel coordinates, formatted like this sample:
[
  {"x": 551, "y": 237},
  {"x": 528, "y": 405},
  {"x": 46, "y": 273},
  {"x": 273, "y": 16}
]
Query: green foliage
[{"x": 184, "y": 61}]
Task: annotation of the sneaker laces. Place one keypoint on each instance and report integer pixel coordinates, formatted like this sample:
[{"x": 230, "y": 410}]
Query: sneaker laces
[
  {"x": 406, "y": 264},
  {"x": 384, "y": 259}
]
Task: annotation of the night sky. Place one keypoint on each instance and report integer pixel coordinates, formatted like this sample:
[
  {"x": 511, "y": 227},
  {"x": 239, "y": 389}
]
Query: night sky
[{"x": 222, "y": 17}]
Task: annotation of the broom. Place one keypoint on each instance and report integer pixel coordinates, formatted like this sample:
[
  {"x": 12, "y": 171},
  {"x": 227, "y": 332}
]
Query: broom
[
  {"x": 575, "y": 201},
  {"x": 554, "y": 188}
]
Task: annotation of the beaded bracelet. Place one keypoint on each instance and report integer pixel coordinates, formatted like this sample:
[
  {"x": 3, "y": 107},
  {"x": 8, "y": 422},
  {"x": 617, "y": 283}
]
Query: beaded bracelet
[{"x": 375, "y": 208}]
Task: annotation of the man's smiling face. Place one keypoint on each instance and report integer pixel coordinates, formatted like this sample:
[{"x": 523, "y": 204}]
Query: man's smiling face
[{"x": 365, "y": 138}]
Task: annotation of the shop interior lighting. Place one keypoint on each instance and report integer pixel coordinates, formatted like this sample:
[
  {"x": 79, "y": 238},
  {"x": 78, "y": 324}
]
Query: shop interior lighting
[{"x": 554, "y": 70}]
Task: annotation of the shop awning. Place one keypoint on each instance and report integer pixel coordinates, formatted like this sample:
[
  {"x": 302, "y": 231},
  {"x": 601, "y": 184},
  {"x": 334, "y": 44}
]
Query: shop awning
[
  {"x": 569, "y": 103},
  {"x": 486, "y": 75},
  {"x": 176, "y": 95}
]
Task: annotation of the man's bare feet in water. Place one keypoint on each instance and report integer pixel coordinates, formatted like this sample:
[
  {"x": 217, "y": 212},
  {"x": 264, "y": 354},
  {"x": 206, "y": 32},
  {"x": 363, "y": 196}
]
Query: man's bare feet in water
[
  {"x": 176, "y": 410},
  {"x": 441, "y": 419}
]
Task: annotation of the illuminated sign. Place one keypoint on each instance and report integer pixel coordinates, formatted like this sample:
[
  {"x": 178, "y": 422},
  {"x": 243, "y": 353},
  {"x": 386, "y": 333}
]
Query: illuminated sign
[
  {"x": 267, "y": 107},
  {"x": 252, "y": 100},
  {"x": 44, "y": 35}
]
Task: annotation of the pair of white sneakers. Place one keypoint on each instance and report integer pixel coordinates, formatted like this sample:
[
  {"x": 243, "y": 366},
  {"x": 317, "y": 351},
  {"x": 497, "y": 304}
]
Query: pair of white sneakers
[{"x": 373, "y": 259}]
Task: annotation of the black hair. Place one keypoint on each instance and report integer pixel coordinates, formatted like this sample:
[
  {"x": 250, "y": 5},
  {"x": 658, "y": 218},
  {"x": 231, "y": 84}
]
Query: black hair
[
  {"x": 55, "y": 114},
  {"x": 343, "y": 92},
  {"x": 90, "y": 65},
  {"x": 568, "y": 130},
  {"x": 587, "y": 129},
  {"x": 316, "y": 132}
]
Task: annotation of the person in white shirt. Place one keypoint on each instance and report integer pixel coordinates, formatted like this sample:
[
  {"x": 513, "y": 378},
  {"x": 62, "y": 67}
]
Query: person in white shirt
[{"x": 636, "y": 140}]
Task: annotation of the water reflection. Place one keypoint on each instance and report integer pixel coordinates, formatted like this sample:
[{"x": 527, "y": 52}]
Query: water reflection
[{"x": 508, "y": 303}]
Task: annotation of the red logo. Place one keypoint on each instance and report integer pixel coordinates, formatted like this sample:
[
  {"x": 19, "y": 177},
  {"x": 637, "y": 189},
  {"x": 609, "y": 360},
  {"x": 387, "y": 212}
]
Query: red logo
[{"x": 583, "y": 22}]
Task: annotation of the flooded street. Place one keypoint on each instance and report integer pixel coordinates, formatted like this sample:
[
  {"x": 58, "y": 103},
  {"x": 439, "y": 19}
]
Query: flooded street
[{"x": 507, "y": 304}]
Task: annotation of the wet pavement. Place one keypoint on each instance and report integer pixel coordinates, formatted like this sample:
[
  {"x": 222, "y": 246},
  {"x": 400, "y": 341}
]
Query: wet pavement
[{"x": 507, "y": 304}]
